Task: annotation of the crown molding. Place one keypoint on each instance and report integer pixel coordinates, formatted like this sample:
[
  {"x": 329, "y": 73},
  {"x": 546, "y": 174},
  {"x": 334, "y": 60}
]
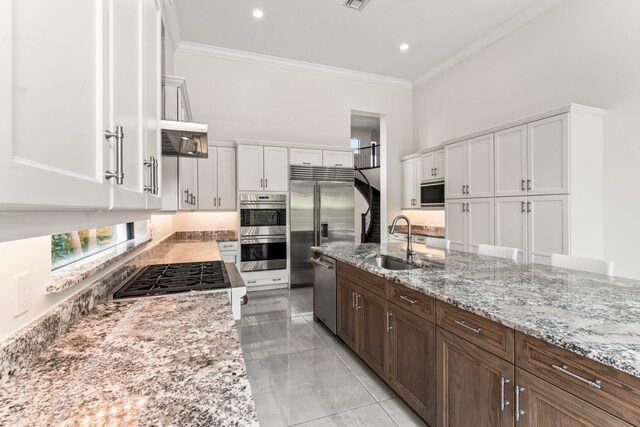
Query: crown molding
[
  {"x": 511, "y": 25},
  {"x": 289, "y": 64},
  {"x": 170, "y": 20}
]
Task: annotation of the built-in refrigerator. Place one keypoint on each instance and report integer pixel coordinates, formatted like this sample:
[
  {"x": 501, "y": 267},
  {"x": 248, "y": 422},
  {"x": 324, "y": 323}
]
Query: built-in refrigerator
[{"x": 322, "y": 212}]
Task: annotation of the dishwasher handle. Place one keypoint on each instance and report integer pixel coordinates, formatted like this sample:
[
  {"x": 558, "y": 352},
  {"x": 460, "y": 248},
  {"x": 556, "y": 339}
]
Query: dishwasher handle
[{"x": 323, "y": 264}]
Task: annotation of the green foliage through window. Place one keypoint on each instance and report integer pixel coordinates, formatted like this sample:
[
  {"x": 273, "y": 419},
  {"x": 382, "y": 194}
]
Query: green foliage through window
[{"x": 69, "y": 247}]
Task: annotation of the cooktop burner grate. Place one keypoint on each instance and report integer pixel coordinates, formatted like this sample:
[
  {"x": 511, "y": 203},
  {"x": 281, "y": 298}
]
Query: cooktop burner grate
[{"x": 162, "y": 279}]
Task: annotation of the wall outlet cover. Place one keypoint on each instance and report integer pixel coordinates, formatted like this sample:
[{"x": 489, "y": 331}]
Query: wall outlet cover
[{"x": 22, "y": 283}]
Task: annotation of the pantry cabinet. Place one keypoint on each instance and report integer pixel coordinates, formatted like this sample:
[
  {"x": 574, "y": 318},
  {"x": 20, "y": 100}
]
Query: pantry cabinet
[
  {"x": 262, "y": 168},
  {"x": 411, "y": 183},
  {"x": 96, "y": 56},
  {"x": 217, "y": 179},
  {"x": 469, "y": 223},
  {"x": 469, "y": 168}
]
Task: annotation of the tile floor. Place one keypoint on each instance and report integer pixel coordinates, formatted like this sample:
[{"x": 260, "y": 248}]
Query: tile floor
[{"x": 303, "y": 375}]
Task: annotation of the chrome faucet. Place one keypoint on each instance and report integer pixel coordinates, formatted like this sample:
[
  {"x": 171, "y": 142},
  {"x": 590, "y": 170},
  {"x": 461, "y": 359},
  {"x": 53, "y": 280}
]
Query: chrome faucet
[{"x": 410, "y": 250}]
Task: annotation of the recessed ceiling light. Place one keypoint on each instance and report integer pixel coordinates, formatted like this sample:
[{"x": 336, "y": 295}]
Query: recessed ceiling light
[
  {"x": 404, "y": 47},
  {"x": 258, "y": 13}
]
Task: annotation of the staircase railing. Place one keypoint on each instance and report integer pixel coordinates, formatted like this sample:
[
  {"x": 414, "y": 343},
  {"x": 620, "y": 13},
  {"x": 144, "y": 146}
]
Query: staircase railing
[
  {"x": 367, "y": 157},
  {"x": 365, "y": 229}
]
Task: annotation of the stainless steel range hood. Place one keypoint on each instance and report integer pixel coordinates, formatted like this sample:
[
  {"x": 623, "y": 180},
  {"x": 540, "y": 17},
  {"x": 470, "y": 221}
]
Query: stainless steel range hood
[
  {"x": 180, "y": 136},
  {"x": 184, "y": 139}
]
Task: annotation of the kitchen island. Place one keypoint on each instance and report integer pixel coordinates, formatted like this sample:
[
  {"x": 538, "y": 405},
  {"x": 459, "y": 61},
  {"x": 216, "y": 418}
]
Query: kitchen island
[
  {"x": 514, "y": 311},
  {"x": 168, "y": 360}
]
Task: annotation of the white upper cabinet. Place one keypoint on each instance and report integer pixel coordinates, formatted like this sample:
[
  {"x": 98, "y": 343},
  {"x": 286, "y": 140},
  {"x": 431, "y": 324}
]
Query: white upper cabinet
[
  {"x": 432, "y": 166},
  {"x": 187, "y": 183},
  {"x": 262, "y": 168},
  {"x": 548, "y": 156},
  {"x": 342, "y": 159},
  {"x": 276, "y": 169},
  {"x": 305, "y": 157},
  {"x": 480, "y": 166},
  {"x": 151, "y": 82},
  {"x": 94, "y": 59},
  {"x": 217, "y": 179},
  {"x": 250, "y": 168},
  {"x": 411, "y": 183},
  {"x": 511, "y": 161},
  {"x": 455, "y": 170},
  {"x": 55, "y": 83}
]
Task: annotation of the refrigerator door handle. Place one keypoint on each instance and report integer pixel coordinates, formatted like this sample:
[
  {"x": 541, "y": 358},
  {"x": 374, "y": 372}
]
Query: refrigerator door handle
[{"x": 324, "y": 230}]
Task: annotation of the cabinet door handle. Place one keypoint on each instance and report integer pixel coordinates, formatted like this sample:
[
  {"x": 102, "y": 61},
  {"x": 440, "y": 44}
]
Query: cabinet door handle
[
  {"x": 503, "y": 403},
  {"x": 156, "y": 188},
  {"x": 149, "y": 165},
  {"x": 219, "y": 201},
  {"x": 463, "y": 187},
  {"x": 389, "y": 326},
  {"x": 523, "y": 207},
  {"x": 215, "y": 200},
  {"x": 119, "y": 173},
  {"x": 468, "y": 206},
  {"x": 522, "y": 187},
  {"x": 528, "y": 206},
  {"x": 353, "y": 300},
  {"x": 464, "y": 325},
  {"x": 186, "y": 198},
  {"x": 565, "y": 370},
  {"x": 409, "y": 300},
  {"x": 358, "y": 298},
  {"x": 266, "y": 183},
  {"x": 528, "y": 184},
  {"x": 467, "y": 189},
  {"x": 435, "y": 171},
  {"x": 261, "y": 183},
  {"x": 463, "y": 207},
  {"x": 519, "y": 412}
]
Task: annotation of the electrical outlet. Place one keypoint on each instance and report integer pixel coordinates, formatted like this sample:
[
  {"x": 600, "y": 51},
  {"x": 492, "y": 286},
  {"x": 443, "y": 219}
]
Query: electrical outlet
[{"x": 22, "y": 283}]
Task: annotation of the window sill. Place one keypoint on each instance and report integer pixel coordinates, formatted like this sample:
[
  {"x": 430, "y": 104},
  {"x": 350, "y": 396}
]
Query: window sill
[{"x": 72, "y": 274}]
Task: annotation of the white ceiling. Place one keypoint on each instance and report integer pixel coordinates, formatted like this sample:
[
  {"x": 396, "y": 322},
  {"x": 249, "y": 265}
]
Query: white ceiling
[{"x": 327, "y": 33}]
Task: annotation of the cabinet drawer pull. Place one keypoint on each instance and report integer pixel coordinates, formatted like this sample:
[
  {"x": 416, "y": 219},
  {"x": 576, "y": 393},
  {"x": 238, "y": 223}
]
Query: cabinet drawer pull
[
  {"x": 464, "y": 325},
  {"x": 409, "y": 300},
  {"x": 519, "y": 412},
  {"x": 338, "y": 164},
  {"x": 358, "y": 298},
  {"x": 306, "y": 163},
  {"x": 565, "y": 370},
  {"x": 276, "y": 279},
  {"x": 353, "y": 300},
  {"x": 503, "y": 403},
  {"x": 251, "y": 281}
]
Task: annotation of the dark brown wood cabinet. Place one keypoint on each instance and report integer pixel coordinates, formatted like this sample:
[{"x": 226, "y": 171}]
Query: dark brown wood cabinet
[
  {"x": 346, "y": 323},
  {"x": 473, "y": 386},
  {"x": 412, "y": 361},
  {"x": 541, "y": 404},
  {"x": 372, "y": 312}
]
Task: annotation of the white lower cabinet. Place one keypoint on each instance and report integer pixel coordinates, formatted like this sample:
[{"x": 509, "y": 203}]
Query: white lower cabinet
[
  {"x": 228, "y": 251},
  {"x": 537, "y": 226},
  {"x": 469, "y": 223}
]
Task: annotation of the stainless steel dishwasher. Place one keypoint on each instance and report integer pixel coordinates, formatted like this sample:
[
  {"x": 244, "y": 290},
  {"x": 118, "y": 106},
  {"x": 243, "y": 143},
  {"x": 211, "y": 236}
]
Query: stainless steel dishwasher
[{"x": 324, "y": 290}]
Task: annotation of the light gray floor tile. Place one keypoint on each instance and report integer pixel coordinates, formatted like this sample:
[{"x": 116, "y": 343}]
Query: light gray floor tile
[
  {"x": 302, "y": 300},
  {"x": 369, "y": 379},
  {"x": 327, "y": 336},
  {"x": 401, "y": 414},
  {"x": 280, "y": 336},
  {"x": 367, "y": 416},
  {"x": 298, "y": 387},
  {"x": 267, "y": 305}
]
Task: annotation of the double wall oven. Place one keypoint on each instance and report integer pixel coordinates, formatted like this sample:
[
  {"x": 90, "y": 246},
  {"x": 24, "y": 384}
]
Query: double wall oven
[{"x": 263, "y": 232}]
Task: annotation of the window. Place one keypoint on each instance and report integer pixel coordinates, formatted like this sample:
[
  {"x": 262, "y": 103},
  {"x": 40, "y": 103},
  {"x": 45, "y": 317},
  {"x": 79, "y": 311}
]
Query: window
[
  {"x": 355, "y": 143},
  {"x": 67, "y": 248}
]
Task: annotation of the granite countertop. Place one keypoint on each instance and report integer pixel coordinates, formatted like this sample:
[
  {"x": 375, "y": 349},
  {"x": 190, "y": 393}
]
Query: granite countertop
[
  {"x": 174, "y": 360},
  {"x": 421, "y": 230},
  {"x": 593, "y": 315}
]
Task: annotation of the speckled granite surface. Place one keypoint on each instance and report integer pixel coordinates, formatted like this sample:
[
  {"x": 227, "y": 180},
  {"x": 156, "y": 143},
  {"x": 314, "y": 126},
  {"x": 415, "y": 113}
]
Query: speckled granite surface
[
  {"x": 593, "y": 315},
  {"x": 421, "y": 230},
  {"x": 174, "y": 360},
  {"x": 217, "y": 235}
]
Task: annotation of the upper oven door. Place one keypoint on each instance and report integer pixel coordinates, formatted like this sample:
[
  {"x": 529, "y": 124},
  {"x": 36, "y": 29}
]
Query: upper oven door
[
  {"x": 263, "y": 219},
  {"x": 432, "y": 194}
]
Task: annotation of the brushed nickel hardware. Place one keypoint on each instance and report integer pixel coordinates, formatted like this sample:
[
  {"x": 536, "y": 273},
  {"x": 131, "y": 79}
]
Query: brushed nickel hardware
[
  {"x": 464, "y": 325},
  {"x": 277, "y": 279},
  {"x": 468, "y": 210},
  {"x": 156, "y": 188},
  {"x": 519, "y": 412},
  {"x": 322, "y": 264},
  {"x": 338, "y": 164},
  {"x": 503, "y": 403},
  {"x": 565, "y": 370},
  {"x": 523, "y": 207},
  {"x": 436, "y": 170},
  {"x": 119, "y": 173},
  {"x": 463, "y": 187},
  {"x": 215, "y": 200},
  {"x": 522, "y": 187},
  {"x": 409, "y": 300},
  {"x": 528, "y": 206},
  {"x": 219, "y": 201},
  {"x": 358, "y": 298},
  {"x": 266, "y": 183},
  {"x": 251, "y": 281},
  {"x": 389, "y": 326},
  {"x": 528, "y": 184},
  {"x": 353, "y": 300},
  {"x": 261, "y": 183},
  {"x": 306, "y": 163},
  {"x": 149, "y": 165},
  {"x": 463, "y": 205},
  {"x": 186, "y": 200},
  {"x": 467, "y": 189},
  {"x": 410, "y": 251}
]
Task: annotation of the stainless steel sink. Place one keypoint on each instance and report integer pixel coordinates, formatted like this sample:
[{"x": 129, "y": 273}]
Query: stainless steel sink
[{"x": 387, "y": 263}]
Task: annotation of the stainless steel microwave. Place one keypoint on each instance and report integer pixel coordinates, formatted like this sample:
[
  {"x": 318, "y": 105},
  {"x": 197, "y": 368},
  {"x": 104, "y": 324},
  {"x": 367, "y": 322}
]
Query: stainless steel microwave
[{"x": 432, "y": 194}]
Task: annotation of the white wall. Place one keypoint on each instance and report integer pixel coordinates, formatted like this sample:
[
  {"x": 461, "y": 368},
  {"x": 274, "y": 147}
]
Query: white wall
[
  {"x": 204, "y": 221},
  {"x": 582, "y": 51},
  {"x": 257, "y": 101}
]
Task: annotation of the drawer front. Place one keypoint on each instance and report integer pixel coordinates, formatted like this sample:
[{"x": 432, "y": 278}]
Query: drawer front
[
  {"x": 228, "y": 246},
  {"x": 607, "y": 388},
  {"x": 267, "y": 281},
  {"x": 368, "y": 281},
  {"x": 484, "y": 333},
  {"x": 413, "y": 301}
]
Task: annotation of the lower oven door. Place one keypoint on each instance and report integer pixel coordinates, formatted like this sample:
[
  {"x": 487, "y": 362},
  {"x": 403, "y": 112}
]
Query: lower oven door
[{"x": 263, "y": 253}]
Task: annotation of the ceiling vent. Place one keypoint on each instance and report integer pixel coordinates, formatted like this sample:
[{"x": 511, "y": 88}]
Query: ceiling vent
[{"x": 356, "y": 4}]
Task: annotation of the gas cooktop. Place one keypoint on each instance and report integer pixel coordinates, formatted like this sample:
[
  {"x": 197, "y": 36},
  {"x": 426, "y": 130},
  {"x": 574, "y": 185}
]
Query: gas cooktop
[{"x": 160, "y": 279}]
